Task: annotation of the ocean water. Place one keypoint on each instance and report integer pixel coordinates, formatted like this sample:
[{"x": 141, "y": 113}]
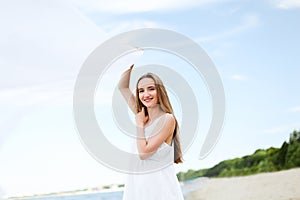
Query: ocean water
[
  {"x": 92, "y": 196},
  {"x": 187, "y": 187}
]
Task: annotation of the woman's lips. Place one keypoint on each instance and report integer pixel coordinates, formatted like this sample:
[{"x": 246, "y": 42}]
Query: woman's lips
[{"x": 148, "y": 100}]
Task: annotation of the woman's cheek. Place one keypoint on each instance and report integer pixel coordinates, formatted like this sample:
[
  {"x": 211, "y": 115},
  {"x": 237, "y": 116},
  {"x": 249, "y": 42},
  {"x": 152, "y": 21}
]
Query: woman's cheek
[{"x": 154, "y": 94}]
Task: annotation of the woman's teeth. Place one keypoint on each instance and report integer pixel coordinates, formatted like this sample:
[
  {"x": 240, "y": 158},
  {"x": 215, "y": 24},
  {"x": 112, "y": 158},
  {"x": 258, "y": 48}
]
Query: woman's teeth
[{"x": 147, "y": 100}]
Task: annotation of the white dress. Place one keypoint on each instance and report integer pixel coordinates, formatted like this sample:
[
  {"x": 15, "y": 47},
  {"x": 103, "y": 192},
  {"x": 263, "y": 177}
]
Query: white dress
[{"x": 161, "y": 184}]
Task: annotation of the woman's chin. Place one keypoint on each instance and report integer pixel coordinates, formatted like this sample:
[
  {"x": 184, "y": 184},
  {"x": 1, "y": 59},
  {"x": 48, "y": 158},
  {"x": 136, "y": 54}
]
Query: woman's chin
[{"x": 150, "y": 105}]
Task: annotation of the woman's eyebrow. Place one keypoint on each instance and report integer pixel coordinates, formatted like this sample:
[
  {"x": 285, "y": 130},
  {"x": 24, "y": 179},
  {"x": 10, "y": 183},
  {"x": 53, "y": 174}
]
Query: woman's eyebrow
[{"x": 145, "y": 86}]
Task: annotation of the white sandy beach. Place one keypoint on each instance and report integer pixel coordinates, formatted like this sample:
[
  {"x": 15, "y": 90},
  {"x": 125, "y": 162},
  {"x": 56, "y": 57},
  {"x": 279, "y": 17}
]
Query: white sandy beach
[{"x": 282, "y": 185}]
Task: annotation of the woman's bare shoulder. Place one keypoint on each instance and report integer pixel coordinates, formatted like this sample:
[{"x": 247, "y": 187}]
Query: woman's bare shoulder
[{"x": 168, "y": 117}]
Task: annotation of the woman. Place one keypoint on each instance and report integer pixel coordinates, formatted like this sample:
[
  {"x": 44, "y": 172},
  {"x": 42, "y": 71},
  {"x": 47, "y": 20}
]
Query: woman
[{"x": 157, "y": 140}]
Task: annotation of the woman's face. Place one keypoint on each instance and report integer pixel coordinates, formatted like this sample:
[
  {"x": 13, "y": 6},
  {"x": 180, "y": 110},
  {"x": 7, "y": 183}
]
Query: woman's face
[{"x": 147, "y": 92}]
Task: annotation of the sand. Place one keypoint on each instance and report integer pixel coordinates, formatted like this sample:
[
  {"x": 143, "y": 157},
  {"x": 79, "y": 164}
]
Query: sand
[{"x": 282, "y": 185}]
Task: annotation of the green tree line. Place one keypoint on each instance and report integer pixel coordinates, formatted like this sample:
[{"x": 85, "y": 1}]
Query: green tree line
[{"x": 262, "y": 160}]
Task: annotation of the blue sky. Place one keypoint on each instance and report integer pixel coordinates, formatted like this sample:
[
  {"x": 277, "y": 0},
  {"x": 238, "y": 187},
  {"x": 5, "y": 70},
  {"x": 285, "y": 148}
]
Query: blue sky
[{"x": 254, "y": 45}]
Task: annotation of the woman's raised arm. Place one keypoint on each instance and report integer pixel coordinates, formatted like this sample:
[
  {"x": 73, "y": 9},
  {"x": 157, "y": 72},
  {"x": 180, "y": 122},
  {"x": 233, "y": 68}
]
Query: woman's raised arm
[{"x": 126, "y": 92}]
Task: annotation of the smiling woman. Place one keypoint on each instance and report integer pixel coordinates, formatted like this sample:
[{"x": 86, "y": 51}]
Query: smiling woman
[{"x": 157, "y": 139}]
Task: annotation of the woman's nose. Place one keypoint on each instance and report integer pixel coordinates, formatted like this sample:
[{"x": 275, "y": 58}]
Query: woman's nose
[{"x": 146, "y": 93}]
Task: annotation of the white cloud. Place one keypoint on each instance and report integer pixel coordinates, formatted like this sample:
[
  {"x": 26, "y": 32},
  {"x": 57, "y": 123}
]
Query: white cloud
[
  {"x": 276, "y": 130},
  {"x": 119, "y": 26},
  {"x": 294, "y": 109},
  {"x": 283, "y": 129},
  {"x": 46, "y": 94},
  {"x": 287, "y": 4},
  {"x": 136, "y": 6},
  {"x": 248, "y": 22},
  {"x": 238, "y": 77}
]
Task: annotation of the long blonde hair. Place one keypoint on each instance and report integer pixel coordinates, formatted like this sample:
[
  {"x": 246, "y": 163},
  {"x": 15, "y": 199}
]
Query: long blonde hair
[{"x": 166, "y": 106}]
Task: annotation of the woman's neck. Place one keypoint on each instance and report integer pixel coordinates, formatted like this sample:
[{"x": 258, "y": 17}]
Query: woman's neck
[{"x": 154, "y": 112}]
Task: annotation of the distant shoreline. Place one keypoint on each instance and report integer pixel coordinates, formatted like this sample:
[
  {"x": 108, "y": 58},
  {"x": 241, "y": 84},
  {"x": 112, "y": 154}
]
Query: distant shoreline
[{"x": 66, "y": 193}]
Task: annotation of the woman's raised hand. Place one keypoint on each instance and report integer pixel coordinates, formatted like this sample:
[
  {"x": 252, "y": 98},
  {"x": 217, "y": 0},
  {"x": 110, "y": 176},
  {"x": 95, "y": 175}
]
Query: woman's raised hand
[
  {"x": 131, "y": 66},
  {"x": 141, "y": 118},
  {"x": 129, "y": 70}
]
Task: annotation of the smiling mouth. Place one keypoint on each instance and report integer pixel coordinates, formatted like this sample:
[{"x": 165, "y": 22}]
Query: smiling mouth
[{"x": 148, "y": 100}]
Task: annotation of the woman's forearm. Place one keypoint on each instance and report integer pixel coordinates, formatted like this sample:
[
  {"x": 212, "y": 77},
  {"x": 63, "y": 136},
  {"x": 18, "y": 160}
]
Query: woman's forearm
[
  {"x": 141, "y": 143},
  {"x": 125, "y": 91}
]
